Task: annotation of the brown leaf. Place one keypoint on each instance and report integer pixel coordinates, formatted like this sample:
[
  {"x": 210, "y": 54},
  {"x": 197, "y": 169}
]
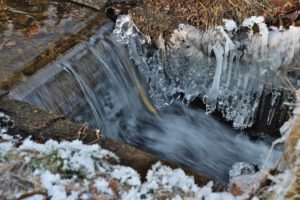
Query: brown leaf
[
  {"x": 11, "y": 43},
  {"x": 114, "y": 185},
  {"x": 9, "y": 167},
  {"x": 235, "y": 190},
  {"x": 34, "y": 31}
]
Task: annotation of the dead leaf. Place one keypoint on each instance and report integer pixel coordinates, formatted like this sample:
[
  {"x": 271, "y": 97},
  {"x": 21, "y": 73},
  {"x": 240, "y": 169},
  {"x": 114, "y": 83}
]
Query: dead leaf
[
  {"x": 235, "y": 190},
  {"x": 288, "y": 6},
  {"x": 101, "y": 197},
  {"x": 114, "y": 185},
  {"x": 70, "y": 187},
  {"x": 9, "y": 167},
  {"x": 11, "y": 43},
  {"x": 34, "y": 31}
]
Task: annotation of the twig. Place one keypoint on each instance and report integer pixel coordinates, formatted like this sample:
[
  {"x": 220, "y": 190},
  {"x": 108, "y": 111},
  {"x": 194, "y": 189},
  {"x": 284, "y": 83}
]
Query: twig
[
  {"x": 262, "y": 5},
  {"x": 97, "y": 137},
  {"x": 47, "y": 123},
  {"x": 26, "y": 195},
  {"x": 21, "y": 179},
  {"x": 4, "y": 93},
  {"x": 80, "y": 133}
]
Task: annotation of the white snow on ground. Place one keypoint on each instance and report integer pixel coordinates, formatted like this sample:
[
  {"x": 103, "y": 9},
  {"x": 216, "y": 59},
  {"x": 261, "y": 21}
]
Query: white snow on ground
[
  {"x": 102, "y": 186},
  {"x": 56, "y": 186}
]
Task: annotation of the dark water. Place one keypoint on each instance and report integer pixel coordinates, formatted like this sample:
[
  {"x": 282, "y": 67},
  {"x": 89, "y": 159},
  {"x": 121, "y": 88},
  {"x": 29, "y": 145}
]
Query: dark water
[{"x": 97, "y": 82}]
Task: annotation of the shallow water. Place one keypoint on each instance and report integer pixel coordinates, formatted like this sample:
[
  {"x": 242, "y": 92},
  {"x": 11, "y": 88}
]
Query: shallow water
[{"x": 35, "y": 31}]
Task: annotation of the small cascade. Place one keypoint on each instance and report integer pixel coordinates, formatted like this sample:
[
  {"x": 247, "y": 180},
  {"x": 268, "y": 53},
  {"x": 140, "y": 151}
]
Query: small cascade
[
  {"x": 96, "y": 82},
  {"x": 232, "y": 71},
  {"x": 89, "y": 84}
]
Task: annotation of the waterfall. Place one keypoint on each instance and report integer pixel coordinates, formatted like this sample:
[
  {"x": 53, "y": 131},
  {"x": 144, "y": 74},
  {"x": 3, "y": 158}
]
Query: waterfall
[
  {"x": 90, "y": 83},
  {"x": 97, "y": 82}
]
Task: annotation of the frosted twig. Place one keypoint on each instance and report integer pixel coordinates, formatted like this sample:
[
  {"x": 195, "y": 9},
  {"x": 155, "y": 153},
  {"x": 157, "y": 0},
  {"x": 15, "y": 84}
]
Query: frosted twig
[{"x": 277, "y": 141}]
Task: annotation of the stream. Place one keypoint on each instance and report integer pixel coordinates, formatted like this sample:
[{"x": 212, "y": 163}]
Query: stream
[{"x": 98, "y": 82}]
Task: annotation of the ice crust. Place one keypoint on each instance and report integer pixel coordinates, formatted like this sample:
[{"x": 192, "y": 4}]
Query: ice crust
[{"x": 228, "y": 69}]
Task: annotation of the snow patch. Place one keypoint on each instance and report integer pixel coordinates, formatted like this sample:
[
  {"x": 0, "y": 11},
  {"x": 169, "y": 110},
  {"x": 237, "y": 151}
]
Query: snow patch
[
  {"x": 103, "y": 186},
  {"x": 56, "y": 187},
  {"x": 230, "y": 25},
  {"x": 126, "y": 175}
]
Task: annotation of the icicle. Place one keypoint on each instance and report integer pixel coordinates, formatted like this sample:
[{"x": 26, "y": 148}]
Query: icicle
[{"x": 228, "y": 73}]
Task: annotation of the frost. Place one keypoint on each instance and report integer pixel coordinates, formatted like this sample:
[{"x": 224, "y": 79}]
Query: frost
[
  {"x": 76, "y": 155},
  {"x": 35, "y": 197},
  {"x": 5, "y": 123},
  {"x": 108, "y": 181},
  {"x": 6, "y": 146},
  {"x": 126, "y": 175},
  {"x": 103, "y": 186},
  {"x": 241, "y": 168},
  {"x": 56, "y": 187},
  {"x": 163, "y": 176}
]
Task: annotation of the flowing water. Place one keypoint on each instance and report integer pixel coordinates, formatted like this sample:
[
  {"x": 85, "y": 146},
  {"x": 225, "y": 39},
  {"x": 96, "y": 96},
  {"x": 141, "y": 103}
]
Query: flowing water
[{"x": 97, "y": 82}]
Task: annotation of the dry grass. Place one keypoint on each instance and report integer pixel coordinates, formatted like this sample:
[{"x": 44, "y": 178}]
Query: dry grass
[{"x": 204, "y": 13}]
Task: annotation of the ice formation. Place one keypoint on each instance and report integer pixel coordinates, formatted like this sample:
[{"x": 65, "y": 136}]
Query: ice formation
[
  {"x": 5, "y": 122},
  {"x": 242, "y": 168},
  {"x": 226, "y": 67}
]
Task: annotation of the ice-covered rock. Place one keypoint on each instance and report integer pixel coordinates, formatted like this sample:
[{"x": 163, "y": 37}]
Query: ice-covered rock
[{"x": 242, "y": 168}]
